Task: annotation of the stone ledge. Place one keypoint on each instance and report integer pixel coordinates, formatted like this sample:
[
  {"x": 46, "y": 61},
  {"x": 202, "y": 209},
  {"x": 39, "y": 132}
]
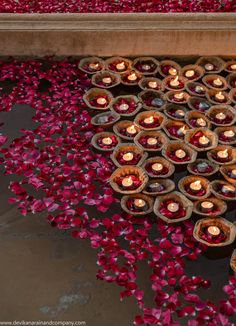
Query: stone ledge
[{"x": 123, "y": 34}]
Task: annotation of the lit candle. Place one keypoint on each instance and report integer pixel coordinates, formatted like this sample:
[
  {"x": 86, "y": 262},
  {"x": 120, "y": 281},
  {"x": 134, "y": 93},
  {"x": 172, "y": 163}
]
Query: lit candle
[
  {"x": 107, "y": 141},
  {"x": 199, "y": 89},
  {"x": 182, "y": 131},
  {"x": 213, "y": 230},
  {"x": 131, "y": 130},
  {"x": 180, "y": 113},
  {"x": 101, "y": 101},
  {"x": 175, "y": 82},
  {"x": 206, "y": 206},
  {"x": 233, "y": 173},
  {"x": 228, "y": 189},
  {"x": 120, "y": 66},
  {"x": 201, "y": 122},
  {"x": 217, "y": 82},
  {"x": 152, "y": 84},
  {"x": 209, "y": 66},
  {"x": 229, "y": 133},
  {"x": 196, "y": 186},
  {"x": 149, "y": 120},
  {"x": 124, "y": 107},
  {"x": 223, "y": 154},
  {"x": 219, "y": 96},
  {"x": 173, "y": 207},
  {"x": 157, "y": 167},
  {"x": 233, "y": 67},
  {"x": 132, "y": 77},
  {"x": 146, "y": 67},
  {"x": 139, "y": 203},
  {"x": 127, "y": 182},
  {"x": 94, "y": 66},
  {"x": 179, "y": 96},
  {"x": 106, "y": 80},
  {"x": 204, "y": 141},
  {"x": 189, "y": 73},
  {"x": 180, "y": 153},
  {"x": 172, "y": 71},
  {"x": 128, "y": 157},
  {"x": 152, "y": 141},
  {"x": 220, "y": 116}
]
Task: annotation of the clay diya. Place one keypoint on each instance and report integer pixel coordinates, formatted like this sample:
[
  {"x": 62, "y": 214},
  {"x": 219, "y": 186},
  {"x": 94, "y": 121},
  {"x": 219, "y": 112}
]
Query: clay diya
[
  {"x": 175, "y": 129},
  {"x": 128, "y": 154},
  {"x": 179, "y": 153},
  {"x": 91, "y": 65},
  {"x": 126, "y": 129},
  {"x": 152, "y": 100},
  {"x": 105, "y": 141},
  {"x": 169, "y": 67},
  {"x": 195, "y": 187},
  {"x": 222, "y": 154},
  {"x": 196, "y": 89},
  {"x": 221, "y": 115},
  {"x": 174, "y": 83},
  {"x": 199, "y": 104},
  {"x": 223, "y": 190},
  {"x": 105, "y": 79},
  {"x": 126, "y": 105},
  {"x": 232, "y": 95},
  {"x": 192, "y": 72},
  {"x": 150, "y": 120},
  {"x": 158, "y": 167},
  {"x": 178, "y": 97},
  {"x": 226, "y": 135},
  {"x": 214, "y": 232},
  {"x": 203, "y": 167},
  {"x": 175, "y": 112},
  {"x": 105, "y": 119},
  {"x": 211, "y": 64},
  {"x": 216, "y": 97},
  {"x": 173, "y": 207},
  {"x": 137, "y": 204},
  {"x": 128, "y": 180},
  {"x": 98, "y": 99},
  {"x": 216, "y": 82},
  {"x": 158, "y": 187},
  {"x": 151, "y": 141},
  {"x": 231, "y": 80},
  {"x": 210, "y": 207},
  {"x": 201, "y": 139},
  {"x": 229, "y": 173},
  {"x": 152, "y": 83},
  {"x": 146, "y": 65},
  {"x": 130, "y": 78},
  {"x": 196, "y": 119},
  {"x": 233, "y": 261},
  {"x": 118, "y": 64},
  {"x": 230, "y": 66}
]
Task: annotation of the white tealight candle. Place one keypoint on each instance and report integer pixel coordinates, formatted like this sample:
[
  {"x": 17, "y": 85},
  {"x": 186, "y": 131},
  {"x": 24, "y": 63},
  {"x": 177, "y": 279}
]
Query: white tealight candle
[
  {"x": 152, "y": 84},
  {"x": 152, "y": 141},
  {"x": 196, "y": 186},
  {"x": 175, "y": 82},
  {"x": 157, "y": 167},
  {"x": 217, "y": 82},
  {"x": 213, "y": 230},
  {"x": 131, "y": 130},
  {"x": 209, "y": 66},
  {"x": 146, "y": 67},
  {"x": 220, "y": 96},
  {"x": 182, "y": 131},
  {"x": 199, "y": 89},
  {"x": 233, "y": 173},
  {"x": 128, "y": 157},
  {"x": 223, "y": 154},
  {"x": 204, "y": 141},
  {"x": 173, "y": 207},
  {"x": 149, "y": 120},
  {"x": 107, "y": 141},
  {"x": 201, "y": 122},
  {"x": 132, "y": 77},
  {"x": 107, "y": 80},
  {"x": 233, "y": 67},
  {"x": 206, "y": 206},
  {"x": 127, "y": 182},
  {"x": 101, "y": 101},
  {"x": 228, "y": 189},
  {"x": 179, "y": 96},
  {"x": 172, "y": 71},
  {"x": 140, "y": 203},
  {"x": 229, "y": 133},
  {"x": 120, "y": 66},
  {"x": 180, "y": 113},
  {"x": 189, "y": 73},
  {"x": 124, "y": 107},
  {"x": 180, "y": 153},
  {"x": 220, "y": 116},
  {"x": 94, "y": 66}
]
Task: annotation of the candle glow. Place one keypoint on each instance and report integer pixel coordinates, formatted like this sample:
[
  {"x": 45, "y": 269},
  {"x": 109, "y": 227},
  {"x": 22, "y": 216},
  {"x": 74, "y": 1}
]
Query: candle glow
[
  {"x": 132, "y": 77},
  {"x": 173, "y": 207},
  {"x": 127, "y": 182},
  {"x": 101, "y": 101},
  {"x": 107, "y": 141},
  {"x": 217, "y": 82},
  {"x": 140, "y": 203},
  {"x": 201, "y": 122},
  {"x": 152, "y": 84},
  {"x": 213, "y": 230},
  {"x": 128, "y": 156},
  {"x": 229, "y": 133},
  {"x": 172, "y": 71},
  {"x": 94, "y": 66},
  {"x": 179, "y": 96},
  {"x": 131, "y": 130},
  {"x": 124, "y": 107},
  {"x": 196, "y": 185},
  {"x": 175, "y": 82},
  {"x": 219, "y": 96},
  {"x": 209, "y": 66},
  {"x": 149, "y": 120},
  {"x": 189, "y": 73},
  {"x": 204, "y": 140},
  {"x": 157, "y": 167},
  {"x": 106, "y": 80},
  {"x": 152, "y": 141},
  {"x": 223, "y": 154},
  {"x": 120, "y": 66},
  {"x": 180, "y": 153}
]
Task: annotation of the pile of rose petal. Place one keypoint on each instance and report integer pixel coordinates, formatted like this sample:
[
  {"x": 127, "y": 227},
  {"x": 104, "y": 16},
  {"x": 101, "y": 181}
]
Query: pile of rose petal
[
  {"x": 72, "y": 189},
  {"x": 115, "y": 6}
]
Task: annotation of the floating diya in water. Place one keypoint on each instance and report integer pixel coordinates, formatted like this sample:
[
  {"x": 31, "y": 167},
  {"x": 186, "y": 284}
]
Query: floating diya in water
[
  {"x": 137, "y": 204},
  {"x": 226, "y": 135},
  {"x": 196, "y": 119},
  {"x": 105, "y": 141},
  {"x": 101, "y": 101},
  {"x": 202, "y": 167},
  {"x": 199, "y": 104},
  {"x": 195, "y": 88},
  {"x": 216, "y": 97},
  {"x": 152, "y": 99},
  {"x": 146, "y": 65},
  {"x": 118, "y": 64},
  {"x": 151, "y": 120},
  {"x": 210, "y": 206},
  {"x": 221, "y": 115},
  {"x": 126, "y": 129},
  {"x": 192, "y": 72},
  {"x": 169, "y": 67},
  {"x": 159, "y": 187},
  {"x": 105, "y": 79},
  {"x": 158, "y": 167},
  {"x": 96, "y": 98},
  {"x": 194, "y": 187},
  {"x": 128, "y": 154},
  {"x": 179, "y": 153},
  {"x": 223, "y": 190},
  {"x": 174, "y": 82},
  {"x": 131, "y": 130},
  {"x": 175, "y": 129},
  {"x": 105, "y": 119},
  {"x": 229, "y": 173},
  {"x": 151, "y": 140},
  {"x": 126, "y": 105},
  {"x": 177, "y": 97},
  {"x": 216, "y": 82},
  {"x": 201, "y": 139},
  {"x": 211, "y": 64},
  {"x": 130, "y": 77},
  {"x": 91, "y": 65}
]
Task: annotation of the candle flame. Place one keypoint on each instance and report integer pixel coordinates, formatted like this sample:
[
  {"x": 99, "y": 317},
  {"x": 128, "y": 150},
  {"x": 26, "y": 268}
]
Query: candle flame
[
  {"x": 132, "y": 128},
  {"x": 218, "y": 80},
  {"x": 225, "y": 151},
  {"x": 183, "y": 130},
  {"x": 204, "y": 138},
  {"x": 176, "y": 79},
  {"x": 181, "y": 94},
  {"x": 133, "y": 75},
  {"x": 220, "y": 94},
  {"x": 197, "y": 183}
]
